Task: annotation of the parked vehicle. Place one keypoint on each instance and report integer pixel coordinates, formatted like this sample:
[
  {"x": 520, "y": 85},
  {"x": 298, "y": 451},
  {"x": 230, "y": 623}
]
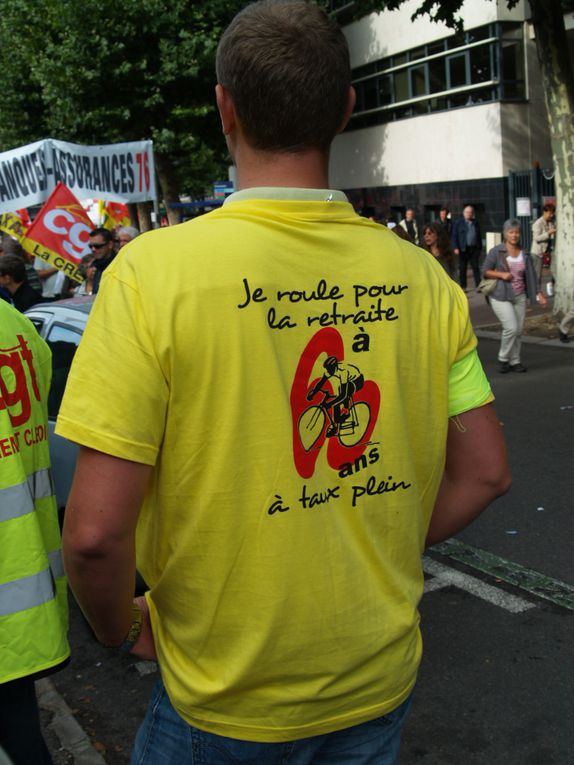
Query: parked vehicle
[{"x": 61, "y": 324}]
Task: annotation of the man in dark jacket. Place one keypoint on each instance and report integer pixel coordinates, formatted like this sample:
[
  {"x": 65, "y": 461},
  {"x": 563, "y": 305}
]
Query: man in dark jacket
[
  {"x": 467, "y": 244},
  {"x": 102, "y": 246}
]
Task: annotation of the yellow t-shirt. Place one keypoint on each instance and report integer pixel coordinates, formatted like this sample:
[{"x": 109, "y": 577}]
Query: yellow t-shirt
[{"x": 284, "y": 563}]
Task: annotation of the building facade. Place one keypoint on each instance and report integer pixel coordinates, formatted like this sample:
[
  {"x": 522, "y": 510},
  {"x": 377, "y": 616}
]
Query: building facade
[{"x": 442, "y": 118}]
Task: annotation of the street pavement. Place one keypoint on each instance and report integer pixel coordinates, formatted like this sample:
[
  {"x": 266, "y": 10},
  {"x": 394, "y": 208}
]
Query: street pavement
[{"x": 495, "y": 682}]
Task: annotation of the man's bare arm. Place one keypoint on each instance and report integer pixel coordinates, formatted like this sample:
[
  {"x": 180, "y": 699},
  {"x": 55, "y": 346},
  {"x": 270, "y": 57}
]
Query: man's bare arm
[
  {"x": 476, "y": 472},
  {"x": 99, "y": 540}
]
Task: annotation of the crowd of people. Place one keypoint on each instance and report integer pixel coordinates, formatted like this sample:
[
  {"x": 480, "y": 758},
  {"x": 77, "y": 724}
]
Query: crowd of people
[
  {"x": 458, "y": 246},
  {"x": 455, "y": 244},
  {"x": 26, "y": 280}
]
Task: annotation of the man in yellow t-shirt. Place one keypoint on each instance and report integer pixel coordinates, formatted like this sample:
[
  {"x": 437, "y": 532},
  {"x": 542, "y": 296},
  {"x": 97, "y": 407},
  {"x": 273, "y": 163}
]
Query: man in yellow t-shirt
[{"x": 284, "y": 564}]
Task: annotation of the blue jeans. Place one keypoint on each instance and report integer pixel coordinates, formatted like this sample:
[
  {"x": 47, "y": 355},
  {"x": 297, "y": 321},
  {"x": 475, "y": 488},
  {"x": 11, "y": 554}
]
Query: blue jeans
[{"x": 165, "y": 739}]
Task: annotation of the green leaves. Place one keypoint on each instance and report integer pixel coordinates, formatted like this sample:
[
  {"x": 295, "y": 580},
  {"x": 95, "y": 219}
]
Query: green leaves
[{"x": 101, "y": 71}]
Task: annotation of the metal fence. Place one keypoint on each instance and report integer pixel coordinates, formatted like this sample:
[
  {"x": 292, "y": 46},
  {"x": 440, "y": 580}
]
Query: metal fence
[{"x": 528, "y": 192}]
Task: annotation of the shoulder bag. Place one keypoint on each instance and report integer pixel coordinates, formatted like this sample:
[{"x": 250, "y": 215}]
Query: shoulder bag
[{"x": 487, "y": 286}]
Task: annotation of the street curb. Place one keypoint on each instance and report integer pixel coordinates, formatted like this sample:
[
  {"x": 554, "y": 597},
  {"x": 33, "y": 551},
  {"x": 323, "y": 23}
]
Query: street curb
[
  {"x": 68, "y": 730},
  {"x": 485, "y": 335}
]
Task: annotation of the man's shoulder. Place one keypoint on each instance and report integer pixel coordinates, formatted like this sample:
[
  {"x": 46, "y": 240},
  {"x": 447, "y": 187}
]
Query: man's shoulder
[
  {"x": 30, "y": 295},
  {"x": 167, "y": 234},
  {"x": 163, "y": 246}
]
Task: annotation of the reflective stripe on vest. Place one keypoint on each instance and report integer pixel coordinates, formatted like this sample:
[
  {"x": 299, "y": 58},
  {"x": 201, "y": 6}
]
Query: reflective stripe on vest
[
  {"x": 25, "y": 593},
  {"x": 18, "y": 500},
  {"x": 29, "y": 591},
  {"x": 40, "y": 484},
  {"x": 56, "y": 563}
]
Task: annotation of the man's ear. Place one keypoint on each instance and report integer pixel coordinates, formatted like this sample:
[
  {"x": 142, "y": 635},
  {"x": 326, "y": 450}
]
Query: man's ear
[
  {"x": 226, "y": 109},
  {"x": 351, "y": 101}
]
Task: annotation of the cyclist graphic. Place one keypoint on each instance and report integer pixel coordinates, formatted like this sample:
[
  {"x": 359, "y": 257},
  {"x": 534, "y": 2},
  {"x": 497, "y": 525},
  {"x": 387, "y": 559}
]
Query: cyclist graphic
[{"x": 349, "y": 380}]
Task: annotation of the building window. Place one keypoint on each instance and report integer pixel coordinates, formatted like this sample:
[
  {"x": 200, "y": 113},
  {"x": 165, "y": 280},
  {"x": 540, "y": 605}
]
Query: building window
[
  {"x": 512, "y": 65},
  {"x": 456, "y": 71},
  {"x": 473, "y": 67}
]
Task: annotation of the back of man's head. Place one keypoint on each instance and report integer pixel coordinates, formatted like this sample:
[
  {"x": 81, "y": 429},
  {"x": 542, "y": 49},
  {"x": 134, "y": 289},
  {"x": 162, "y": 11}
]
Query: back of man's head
[
  {"x": 12, "y": 265},
  {"x": 286, "y": 66}
]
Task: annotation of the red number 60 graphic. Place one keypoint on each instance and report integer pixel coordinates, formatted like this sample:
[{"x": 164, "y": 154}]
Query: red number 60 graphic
[{"x": 310, "y": 421}]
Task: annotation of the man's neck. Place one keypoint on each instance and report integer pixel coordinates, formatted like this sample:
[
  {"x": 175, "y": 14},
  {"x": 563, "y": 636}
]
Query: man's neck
[{"x": 304, "y": 170}]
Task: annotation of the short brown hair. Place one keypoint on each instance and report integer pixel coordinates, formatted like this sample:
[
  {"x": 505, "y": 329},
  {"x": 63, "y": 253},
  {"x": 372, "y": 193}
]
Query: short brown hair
[
  {"x": 12, "y": 265},
  {"x": 286, "y": 66}
]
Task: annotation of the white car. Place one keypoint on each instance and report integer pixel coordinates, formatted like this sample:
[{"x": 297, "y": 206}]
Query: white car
[{"x": 61, "y": 324}]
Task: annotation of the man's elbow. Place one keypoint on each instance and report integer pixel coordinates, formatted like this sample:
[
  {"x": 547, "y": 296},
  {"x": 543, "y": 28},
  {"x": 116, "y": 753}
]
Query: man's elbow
[
  {"x": 82, "y": 549},
  {"x": 497, "y": 482},
  {"x": 83, "y": 542}
]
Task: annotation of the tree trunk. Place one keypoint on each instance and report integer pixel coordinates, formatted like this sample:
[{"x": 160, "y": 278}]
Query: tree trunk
[
  {"x": 144, "y": 216},
  {"x": 169, "y": 187},
  {"x": 558, "y": 83},
  {"x": 134, "y": 217}
]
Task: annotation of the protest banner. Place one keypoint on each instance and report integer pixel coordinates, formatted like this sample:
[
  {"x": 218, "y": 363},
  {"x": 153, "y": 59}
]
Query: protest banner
[
  {"x": 60, "y": 233},
  {"x": 121, "y": 172}
]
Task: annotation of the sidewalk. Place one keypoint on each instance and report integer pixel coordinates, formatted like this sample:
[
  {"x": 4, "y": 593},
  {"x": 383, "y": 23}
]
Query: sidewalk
[{"x": 68, "y": 742}]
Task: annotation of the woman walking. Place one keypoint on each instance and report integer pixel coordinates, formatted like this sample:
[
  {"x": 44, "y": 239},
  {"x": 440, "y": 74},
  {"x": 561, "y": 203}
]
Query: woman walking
[
  {"x": 514, "y": 270},
  {"x": 437, "y": 242}
]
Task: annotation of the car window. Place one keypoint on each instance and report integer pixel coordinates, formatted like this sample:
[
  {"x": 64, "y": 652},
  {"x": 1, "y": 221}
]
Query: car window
[
  {"x": 63, "y": 342},
  {"x": 37, "y": 322}
]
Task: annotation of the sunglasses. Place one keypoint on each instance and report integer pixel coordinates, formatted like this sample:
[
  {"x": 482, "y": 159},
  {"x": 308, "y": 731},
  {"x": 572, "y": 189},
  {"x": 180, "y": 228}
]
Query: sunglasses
[{"x": 97, "y": 246}]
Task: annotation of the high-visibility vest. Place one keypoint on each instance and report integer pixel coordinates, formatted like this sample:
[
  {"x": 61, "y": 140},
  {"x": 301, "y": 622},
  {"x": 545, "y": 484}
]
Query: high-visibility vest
[{"x": 33, "y": 598}]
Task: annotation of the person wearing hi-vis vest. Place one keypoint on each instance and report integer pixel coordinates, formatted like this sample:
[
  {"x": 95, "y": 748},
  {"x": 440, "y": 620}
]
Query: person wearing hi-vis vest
[{"x": 33, "y": 600}]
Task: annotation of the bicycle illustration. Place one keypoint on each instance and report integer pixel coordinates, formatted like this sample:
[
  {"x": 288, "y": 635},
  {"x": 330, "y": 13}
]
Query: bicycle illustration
[
  {"x": 348, "y": 421},
  {"x": 349, "y": 430}
]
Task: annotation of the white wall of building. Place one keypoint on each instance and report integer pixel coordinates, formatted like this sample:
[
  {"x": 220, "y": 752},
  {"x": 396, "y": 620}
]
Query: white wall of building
[{"x": 446, "y": 146}]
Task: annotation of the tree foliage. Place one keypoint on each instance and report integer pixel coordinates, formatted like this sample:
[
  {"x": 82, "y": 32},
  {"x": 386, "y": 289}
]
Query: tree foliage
[{"x": 103, "y": 71}]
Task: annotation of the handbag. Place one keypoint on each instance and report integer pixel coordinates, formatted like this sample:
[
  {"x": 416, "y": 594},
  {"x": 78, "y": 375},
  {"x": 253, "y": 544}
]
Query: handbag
[{"x": 487, "y": 286}]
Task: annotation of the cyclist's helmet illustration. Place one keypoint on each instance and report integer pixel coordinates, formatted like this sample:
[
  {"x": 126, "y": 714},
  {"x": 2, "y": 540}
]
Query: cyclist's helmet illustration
[{"x": 331, "y": 364}]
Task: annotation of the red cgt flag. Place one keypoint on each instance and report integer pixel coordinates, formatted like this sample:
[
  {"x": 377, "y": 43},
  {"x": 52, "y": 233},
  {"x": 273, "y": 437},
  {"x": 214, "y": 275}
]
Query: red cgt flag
[{"x": 60, "y": 232}]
